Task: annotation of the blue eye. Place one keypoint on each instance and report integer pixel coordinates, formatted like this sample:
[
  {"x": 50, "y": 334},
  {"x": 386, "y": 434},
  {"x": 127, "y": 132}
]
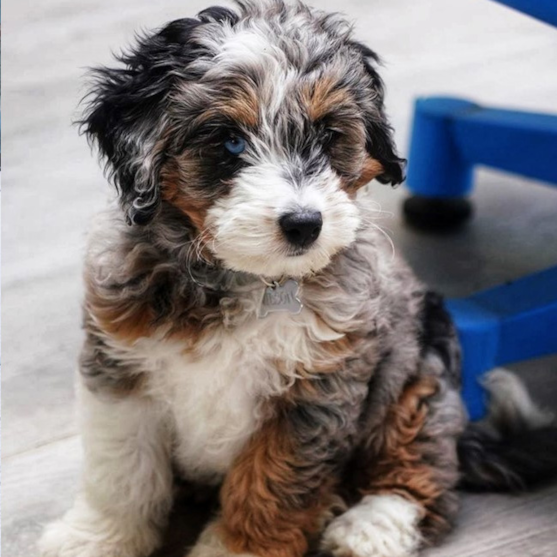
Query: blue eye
[{"x": 235, "y": 145}]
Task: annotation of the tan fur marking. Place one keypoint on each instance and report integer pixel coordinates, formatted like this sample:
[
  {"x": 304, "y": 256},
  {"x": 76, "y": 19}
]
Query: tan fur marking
[
  {"x": 370, "y": 170},
  {"x": 240, "y": 104},
  {"x": 195, "y": 208},
  {"x": 261, "y": 499},
  {"x": 323, "y": 96},
  {"x": 127, "y": 319}
]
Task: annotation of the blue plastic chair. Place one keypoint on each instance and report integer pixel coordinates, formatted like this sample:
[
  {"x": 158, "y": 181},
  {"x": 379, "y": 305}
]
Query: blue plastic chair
[{"x": 516, "y": 321}]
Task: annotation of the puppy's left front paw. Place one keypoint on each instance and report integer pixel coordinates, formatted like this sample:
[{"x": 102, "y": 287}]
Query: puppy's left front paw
[{"x": 379, "y": 526}]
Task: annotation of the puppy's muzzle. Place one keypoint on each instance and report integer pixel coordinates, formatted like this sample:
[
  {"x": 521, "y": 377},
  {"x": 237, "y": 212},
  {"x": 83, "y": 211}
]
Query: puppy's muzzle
[{"x": 301, "y": 228}]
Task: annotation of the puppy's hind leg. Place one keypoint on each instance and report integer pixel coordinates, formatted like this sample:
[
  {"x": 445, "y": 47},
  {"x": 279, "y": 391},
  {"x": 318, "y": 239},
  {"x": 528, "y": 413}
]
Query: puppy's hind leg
[
  {"x": 408, "y": 469},
  {"x": 409, "y": 485},
  {"x": 127, "y": 484}
]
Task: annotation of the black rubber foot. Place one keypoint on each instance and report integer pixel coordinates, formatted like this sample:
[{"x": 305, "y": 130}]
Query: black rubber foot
[{"x": 437, "y": 214}]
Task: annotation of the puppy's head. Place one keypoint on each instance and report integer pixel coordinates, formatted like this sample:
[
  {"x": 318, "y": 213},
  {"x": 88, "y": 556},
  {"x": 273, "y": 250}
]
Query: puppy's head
[{"x": 259, "y": 124}]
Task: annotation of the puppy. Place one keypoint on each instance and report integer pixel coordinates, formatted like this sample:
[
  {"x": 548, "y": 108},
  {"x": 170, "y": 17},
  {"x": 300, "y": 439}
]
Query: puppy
[{"x": 246, "y": 324}]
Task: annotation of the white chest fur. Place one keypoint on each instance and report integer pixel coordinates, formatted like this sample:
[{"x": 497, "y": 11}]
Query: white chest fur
[{"x": 217, "y": 400}]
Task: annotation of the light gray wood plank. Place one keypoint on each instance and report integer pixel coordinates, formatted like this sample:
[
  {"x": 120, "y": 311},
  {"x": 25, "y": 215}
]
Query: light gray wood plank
[
  {"x": 37, "y": 487},
  {"x": 504, "y": 525},
  {"x": 41, "y": 340}
]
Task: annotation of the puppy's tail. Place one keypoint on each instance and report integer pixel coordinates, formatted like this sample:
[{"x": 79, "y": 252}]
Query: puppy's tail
[{"x": 515, "y": 447}]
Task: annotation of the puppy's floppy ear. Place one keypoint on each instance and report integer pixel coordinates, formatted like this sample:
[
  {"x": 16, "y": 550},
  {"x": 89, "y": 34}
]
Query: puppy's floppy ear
[
  {"x": 379, "y": 141},
  {"x": 125, "y": 114}
]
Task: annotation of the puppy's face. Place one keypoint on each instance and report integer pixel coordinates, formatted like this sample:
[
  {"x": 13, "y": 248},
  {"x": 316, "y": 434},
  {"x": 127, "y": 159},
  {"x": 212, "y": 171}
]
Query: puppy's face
[
  {"x": 260, "y": 126},
  {"x": 272, "y": 160}
]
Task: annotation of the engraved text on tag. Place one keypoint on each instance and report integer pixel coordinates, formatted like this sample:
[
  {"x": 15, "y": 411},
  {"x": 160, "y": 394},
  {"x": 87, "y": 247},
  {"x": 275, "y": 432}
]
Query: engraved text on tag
[{"x": 280, "y": 297}]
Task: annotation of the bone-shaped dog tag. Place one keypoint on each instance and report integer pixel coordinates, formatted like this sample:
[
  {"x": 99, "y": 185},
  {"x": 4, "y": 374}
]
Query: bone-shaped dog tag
[{"x": 280, "y": 297}]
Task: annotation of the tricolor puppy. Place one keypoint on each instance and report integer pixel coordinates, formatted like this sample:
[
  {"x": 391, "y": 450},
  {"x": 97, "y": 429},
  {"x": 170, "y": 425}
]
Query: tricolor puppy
[{"x": 246, "y": 324}]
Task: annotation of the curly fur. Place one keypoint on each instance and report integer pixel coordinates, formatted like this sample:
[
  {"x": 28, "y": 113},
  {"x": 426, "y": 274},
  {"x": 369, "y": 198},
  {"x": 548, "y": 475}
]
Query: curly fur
[{"x": 353, "y": 400}]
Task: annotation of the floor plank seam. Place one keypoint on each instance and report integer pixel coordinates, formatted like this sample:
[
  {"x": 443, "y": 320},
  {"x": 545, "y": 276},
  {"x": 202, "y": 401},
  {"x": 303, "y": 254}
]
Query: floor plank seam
[{"x": 38, "y": 446}]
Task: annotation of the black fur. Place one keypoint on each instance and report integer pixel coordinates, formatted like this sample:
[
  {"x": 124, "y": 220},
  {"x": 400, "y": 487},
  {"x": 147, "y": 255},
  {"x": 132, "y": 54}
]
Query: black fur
[
  {"x": 380, "y": 144},
  {"x": 218, "y": 14},
  {"x": 438, "y": 334},
  {"x": 491, "y": 461},
  {"x": 126, "y": 106}
]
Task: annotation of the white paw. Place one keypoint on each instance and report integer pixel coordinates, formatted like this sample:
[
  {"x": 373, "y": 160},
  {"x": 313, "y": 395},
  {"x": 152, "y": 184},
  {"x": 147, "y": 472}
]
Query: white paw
[
  {"x": 378, "y": 526},
  {"x": 65, "y": 539}
]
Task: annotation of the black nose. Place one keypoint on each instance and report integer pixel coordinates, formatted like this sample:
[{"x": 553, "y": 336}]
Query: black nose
[{"x": 301, "y": 228}]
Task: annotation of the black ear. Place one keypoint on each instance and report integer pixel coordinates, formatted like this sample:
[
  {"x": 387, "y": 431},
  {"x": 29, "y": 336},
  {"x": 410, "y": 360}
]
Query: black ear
[
  {"x": 379, "y": 143},
  {"x": 125, "y": 113}
]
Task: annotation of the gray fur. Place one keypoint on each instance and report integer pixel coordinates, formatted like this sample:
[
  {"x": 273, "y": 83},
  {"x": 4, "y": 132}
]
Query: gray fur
[{"x": 336, "y": 407}]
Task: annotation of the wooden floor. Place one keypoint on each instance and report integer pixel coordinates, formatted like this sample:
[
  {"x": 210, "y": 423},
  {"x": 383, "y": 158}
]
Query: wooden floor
[{"x": 52, "y": 187}]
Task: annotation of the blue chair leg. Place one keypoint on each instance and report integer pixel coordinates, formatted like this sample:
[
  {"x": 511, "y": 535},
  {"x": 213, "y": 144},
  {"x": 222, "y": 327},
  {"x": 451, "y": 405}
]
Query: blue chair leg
[
  {"x": 437, "y": 175},
  {"x": 506, "y": 324},
  {"x": 436, "y": 167}
]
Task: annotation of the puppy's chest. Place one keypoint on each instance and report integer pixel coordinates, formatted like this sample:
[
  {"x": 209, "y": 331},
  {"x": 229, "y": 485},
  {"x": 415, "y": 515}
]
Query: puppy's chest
[{"x": 216, "y": 401}]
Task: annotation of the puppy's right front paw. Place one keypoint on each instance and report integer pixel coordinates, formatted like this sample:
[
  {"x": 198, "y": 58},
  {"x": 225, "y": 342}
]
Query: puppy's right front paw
[{"x": 62, "y": 539}]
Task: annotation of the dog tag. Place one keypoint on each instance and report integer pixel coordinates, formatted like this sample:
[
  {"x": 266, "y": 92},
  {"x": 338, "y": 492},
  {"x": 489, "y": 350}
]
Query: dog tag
[{"x": 280, "y": 297}]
